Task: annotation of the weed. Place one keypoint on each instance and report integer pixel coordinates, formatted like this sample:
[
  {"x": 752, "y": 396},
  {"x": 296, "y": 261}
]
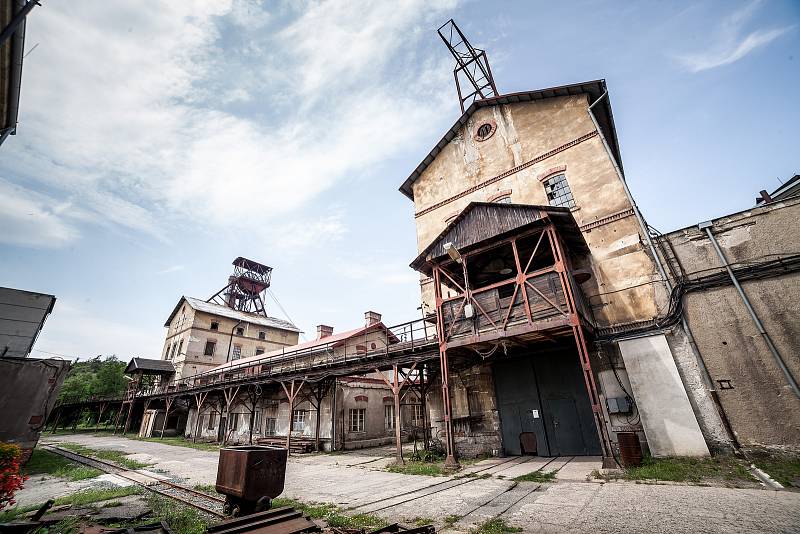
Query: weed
[
  {"x": 181, "y": 519},
  {"x": 417, "y": 468},
  {"x": 784, "y": 469},
  {"x": 422, "y": 521},
  {"x": 118, "y": 457},
  {"x": 206, "y": 488},
  {"x": 89, "y": 496},
  {"x": 112, "y": 504},
  {"x": 538, "y": 476},
  {"x": 495, "y": 526},
  {"x": 451, "y": 520},
  {"x": 48, "y": 463},
  {"x": 689, "y": 469},
  {"x": 332, "y": 514}
]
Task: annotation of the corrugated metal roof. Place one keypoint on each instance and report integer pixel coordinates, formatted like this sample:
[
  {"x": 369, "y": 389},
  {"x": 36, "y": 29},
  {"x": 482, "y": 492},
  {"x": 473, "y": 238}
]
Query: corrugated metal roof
[
  {"x": 22, "y": 315},
  {"x": 224, "y": 311},
  {"x": 594, "y": 89}
]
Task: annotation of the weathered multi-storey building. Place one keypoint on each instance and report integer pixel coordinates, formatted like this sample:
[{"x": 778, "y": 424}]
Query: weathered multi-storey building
[
  {"x": 534, "y": 255},
  {"x": 203, "y": 335}
]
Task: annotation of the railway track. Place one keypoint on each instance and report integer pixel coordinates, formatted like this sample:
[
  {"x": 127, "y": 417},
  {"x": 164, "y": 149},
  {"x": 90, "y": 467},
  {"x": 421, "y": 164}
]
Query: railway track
[{"x": 209, "y": 504}]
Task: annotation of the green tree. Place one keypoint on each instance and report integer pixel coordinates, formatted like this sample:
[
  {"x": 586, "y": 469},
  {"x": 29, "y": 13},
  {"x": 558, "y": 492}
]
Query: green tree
[{"x": 95, "y": 377}]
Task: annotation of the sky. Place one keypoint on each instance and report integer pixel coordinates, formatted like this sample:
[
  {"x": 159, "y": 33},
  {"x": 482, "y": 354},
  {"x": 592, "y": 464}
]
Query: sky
[{"x": 156, "y": 145}]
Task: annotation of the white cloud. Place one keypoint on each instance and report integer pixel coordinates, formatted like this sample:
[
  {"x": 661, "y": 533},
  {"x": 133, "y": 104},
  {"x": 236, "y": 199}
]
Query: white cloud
[
  {"x": 73, "y": 331},
  {"x": 125, "y": 109},
  {"x": 171, "y": 269},
  {"x": 380, "y": 271},
  {"x": 32, "y": 219},
  {"x": 731, "y": 44}
]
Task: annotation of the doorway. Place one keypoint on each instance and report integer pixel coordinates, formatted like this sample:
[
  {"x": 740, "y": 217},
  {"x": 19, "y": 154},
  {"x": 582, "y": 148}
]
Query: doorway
[{"x": 542, "y": 399}]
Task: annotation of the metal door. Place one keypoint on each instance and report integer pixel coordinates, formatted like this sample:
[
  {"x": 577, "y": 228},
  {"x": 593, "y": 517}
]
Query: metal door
[
  {"x": 567, "y": 433},
  {"x": 518, "y": 404}
]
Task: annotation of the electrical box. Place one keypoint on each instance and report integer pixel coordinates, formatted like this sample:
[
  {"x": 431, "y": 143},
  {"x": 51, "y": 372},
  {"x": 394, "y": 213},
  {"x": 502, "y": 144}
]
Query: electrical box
[{"x": 618, "y": 405}]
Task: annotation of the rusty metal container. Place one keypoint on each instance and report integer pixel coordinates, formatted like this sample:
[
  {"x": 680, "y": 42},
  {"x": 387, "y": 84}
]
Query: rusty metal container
[
  {"x": 630, "y": 449},
  {"x": 252, "y": 472}
]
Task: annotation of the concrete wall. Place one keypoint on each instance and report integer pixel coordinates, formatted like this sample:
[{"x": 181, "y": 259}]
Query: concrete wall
[{"x": 763, "y": 412}]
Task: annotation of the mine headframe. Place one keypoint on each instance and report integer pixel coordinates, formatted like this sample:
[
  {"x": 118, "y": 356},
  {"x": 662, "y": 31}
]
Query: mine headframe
[
  {"x": 472, "y": 66},
  {"x": 246, "y": 287}
]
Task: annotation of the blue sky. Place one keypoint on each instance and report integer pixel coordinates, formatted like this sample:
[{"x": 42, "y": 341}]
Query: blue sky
[{"x": 156, "y": 145}]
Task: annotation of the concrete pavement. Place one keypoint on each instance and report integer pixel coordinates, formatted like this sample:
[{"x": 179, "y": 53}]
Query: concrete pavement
[{"x": 356, "y": 481}]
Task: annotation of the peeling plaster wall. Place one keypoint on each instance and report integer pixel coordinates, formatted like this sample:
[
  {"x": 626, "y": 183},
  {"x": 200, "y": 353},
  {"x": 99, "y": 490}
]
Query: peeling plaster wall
[
  {"x": 624, "y": 287},
  {"x": 762, "y": 410}
]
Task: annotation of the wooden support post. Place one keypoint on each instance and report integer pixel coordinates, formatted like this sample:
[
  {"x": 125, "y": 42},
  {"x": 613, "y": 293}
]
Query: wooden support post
[
  {"x": 291, "y": 393},
  {"x": 168, "y": 401},
  {"x": 145, "y": 407},
  {"x": 450, "y": 462},
  {"x": 128, "y": 418},
  {"x": 318, "y": 393},
  {"x": 99, "y": 416},
  {"x": 58, "y": 416},
  {"x": 199, "y": 399},
  {"x": 118, "y": 417},
  {"x": 396, "y": 386},
  {"x": 230, "y": 396}
]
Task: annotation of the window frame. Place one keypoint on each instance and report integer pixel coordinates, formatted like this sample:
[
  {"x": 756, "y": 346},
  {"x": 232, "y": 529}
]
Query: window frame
[
  {"x": 213, "y": 344},
  {"x": 236, "y": 352},
  {"x": 357, "y": 421},
  {"x": 388, "y": 416},
  {"x": 560, "y": 190},
  {"x": 299, "y": 420}
]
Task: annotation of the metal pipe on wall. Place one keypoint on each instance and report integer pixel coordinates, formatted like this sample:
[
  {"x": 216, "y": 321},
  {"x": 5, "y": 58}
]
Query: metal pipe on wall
[{"x": 706, "y": 226}]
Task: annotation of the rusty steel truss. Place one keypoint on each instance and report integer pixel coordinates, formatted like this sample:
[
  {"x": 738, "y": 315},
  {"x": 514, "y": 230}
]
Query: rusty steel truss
[{"x": 472, "y": 66}]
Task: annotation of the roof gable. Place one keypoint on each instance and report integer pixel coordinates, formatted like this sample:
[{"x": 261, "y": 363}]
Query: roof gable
[
  {"x": 594, "y": 89},
  {"x": 150, "y": 366},
  {"x": 224, "y": 311},
  {"x": 481, "y": 221}
]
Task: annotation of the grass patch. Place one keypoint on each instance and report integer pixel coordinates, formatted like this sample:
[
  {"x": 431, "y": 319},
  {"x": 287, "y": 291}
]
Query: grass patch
[
  {"x": 418, "y": 468},
  {"x": 182, "y": 519},
  {"x": 117, "y": 457},
  {"x": 332, "y": 514},
  {"x": 422, "y": 521},
  {"x": 451, "y": 520},
  {"x": 784, "y": 469},
  {"x": 495, "y": 526},
  {"x": 81, "y": 498},
  {"x": 689, "y": 470},
  {"x": 206, "y": 488},
  {"x": 538, "y": 476},
  {"x": 44, "y": 462},
  {"x": 182, "y": 442}
]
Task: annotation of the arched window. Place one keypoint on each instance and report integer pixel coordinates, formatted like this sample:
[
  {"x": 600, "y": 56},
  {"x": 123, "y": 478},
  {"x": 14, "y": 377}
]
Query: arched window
[{"x": 558, "y": 191}]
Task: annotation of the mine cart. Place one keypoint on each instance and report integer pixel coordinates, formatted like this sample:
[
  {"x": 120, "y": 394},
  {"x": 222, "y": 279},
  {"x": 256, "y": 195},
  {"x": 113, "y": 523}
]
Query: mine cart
[{"x": 250, "y": 477}]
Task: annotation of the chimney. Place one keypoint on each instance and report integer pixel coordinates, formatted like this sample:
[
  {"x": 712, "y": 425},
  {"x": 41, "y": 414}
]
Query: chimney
[
  {"x": 372, "y": 318},
  {"x": 324, "y": 331}
]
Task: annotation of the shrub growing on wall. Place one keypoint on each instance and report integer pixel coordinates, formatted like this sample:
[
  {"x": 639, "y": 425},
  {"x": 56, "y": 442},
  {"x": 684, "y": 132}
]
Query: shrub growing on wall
[{"x": 10, "y": 477}]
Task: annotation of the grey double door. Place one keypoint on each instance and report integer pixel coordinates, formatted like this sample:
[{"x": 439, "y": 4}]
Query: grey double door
[{"x": 545, "y": 395}]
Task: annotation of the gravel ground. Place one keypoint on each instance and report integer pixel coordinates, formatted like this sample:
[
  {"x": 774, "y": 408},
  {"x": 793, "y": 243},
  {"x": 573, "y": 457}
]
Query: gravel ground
[{"x": 356, "y": 480}]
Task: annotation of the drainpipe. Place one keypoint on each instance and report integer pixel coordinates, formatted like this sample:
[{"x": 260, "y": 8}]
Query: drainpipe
[
  {"x": 230, "y": 341},
  {"x": 706, "y": 226}
]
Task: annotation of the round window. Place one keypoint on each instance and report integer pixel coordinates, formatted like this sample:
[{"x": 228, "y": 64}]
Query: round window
[{"x": 485, "y": 131}]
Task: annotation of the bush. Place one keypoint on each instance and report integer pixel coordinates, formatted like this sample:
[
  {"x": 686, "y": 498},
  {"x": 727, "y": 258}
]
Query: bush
[{"x": 11, "y": 479}]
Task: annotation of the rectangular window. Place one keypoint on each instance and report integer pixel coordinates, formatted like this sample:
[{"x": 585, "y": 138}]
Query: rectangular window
[
  {"x": 299, "y": 420},
  {"x": 233, "y": 421},
  {"x": 240, "y": 331},
  {"x": 211, "y": 420},
  {"x": 210, "y": 346},
  {"x": 214, "y": 325},
  {"x": 257, "y": 422},
  {"x": 259, "y": 351},
  {"x": 388, "y": 416},
  {"x": 558, "y": 191},
  {"x": 357, "y": 417},
  {"x": 237, "y": 352},
  {"x": 416, "y": 413},
  {"x": 262, "y": 335},
  {"x": 269, "y": 426}
]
